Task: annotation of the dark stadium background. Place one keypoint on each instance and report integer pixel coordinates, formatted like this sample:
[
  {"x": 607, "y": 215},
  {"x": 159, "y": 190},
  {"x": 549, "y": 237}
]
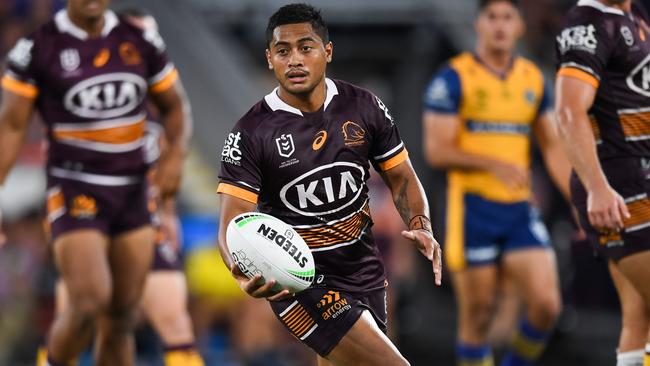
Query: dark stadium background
[{"x": 391, "y": 47}]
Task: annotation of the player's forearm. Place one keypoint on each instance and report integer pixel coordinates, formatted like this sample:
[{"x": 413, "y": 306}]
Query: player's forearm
[
  {"x": 580, "y": 147},
  {"x": 451, "y": 157},
  {"x": 11, "y": 139},
  {"x": 408, "y": 194}
]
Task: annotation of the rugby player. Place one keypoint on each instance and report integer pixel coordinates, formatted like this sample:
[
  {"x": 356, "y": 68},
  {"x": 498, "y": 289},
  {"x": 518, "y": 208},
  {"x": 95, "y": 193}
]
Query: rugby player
[
  {"x": 480, "y": 112},
  {"x": 88, "y": 74},
  {"x": 303, "y": 154},
  {"x": 602, "y": 106},
  {"x": 164, "y": 298}
]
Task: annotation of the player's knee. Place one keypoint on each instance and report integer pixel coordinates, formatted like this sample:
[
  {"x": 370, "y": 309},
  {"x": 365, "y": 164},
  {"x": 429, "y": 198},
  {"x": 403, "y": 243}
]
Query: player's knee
[
  {"x": 90, "y": 303},
  {"x": 479, "y": 314},
  {"x": 546, "y": 309}
]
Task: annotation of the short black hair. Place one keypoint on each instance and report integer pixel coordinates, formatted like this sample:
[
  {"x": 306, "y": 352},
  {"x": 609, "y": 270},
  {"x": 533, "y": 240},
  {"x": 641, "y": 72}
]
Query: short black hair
[
  {"x": 133, "y": 11},
  {"x": 483, "y": 3},
  {"x": 294, "y": 14}
]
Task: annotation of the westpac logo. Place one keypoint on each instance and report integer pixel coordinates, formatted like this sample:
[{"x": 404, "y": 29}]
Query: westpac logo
[
  {"x": 581, "y": 38},
  {"x": 324, "y": 190},
  {"x": 106, "y": 96},
  {"x": 639, "y": 78},
  {"x": 231, "y": 152}
]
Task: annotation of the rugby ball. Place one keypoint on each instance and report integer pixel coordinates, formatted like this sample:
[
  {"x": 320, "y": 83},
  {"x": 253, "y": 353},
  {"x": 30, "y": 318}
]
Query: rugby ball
[{"x": 262, "y": 244}]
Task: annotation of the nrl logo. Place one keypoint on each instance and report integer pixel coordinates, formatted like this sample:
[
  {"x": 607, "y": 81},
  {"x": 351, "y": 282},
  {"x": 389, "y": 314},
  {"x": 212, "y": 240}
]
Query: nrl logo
[
  {"x": 285, "y": 145},
  {"x": 70, "y": 59}
]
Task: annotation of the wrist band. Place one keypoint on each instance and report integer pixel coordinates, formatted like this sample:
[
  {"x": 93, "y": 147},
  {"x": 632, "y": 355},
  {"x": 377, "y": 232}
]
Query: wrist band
[{"x": 420, "y": 222}]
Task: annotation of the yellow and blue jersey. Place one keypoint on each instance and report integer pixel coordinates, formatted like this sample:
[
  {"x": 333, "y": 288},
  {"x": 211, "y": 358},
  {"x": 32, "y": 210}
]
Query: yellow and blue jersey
[{"x": 496, "y": 113}]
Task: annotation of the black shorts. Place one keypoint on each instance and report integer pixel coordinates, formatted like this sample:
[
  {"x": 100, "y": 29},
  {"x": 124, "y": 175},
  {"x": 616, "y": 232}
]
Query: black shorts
[
  {"x": 320, "y": 317},
  {"x": 113, "y": 210},
  {"x": 630, "y": 178}
]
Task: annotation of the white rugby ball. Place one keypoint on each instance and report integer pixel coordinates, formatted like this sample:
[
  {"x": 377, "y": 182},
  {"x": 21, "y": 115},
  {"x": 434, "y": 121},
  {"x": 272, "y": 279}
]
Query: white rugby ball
[{"x": 262, "y": 244}]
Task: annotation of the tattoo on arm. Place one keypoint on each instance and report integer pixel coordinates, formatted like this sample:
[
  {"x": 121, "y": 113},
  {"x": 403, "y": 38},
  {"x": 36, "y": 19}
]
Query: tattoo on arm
[{"x": 402, "y": 202}]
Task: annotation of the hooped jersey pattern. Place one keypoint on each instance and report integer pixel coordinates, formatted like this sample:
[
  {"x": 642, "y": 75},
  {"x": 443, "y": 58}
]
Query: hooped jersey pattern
[
  {"x": 310, "y": 170},
  {"x": 90, "y": 93},
  {"x": 610, "y": 50}
]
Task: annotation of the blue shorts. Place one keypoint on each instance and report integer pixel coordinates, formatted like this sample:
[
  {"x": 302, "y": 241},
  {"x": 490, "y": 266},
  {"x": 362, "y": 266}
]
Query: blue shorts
[{"x": 479, "y": 231}]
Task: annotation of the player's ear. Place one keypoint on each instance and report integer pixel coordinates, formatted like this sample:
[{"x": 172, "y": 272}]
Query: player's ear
[
  {"x": 329, "y": 51},
  {"x": 268, "y": 58}
]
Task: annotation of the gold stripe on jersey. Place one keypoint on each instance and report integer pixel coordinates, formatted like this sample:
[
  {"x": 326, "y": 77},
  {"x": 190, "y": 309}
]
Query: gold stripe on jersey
[
  {"x": 454, "y": 234},
  {"x": 238, "y": 192},
  {"x": 165, "y": 83},
  {"x": 19, "y": 87},
  {"x": 394, "y": 161},
  {"x": 341, "y": 232},
  {"x": 125, "y": 134},
  {"x": 576, "y": 73},
  {"x": 639, "y": 213},
  {"x": 635, "y": 125}
]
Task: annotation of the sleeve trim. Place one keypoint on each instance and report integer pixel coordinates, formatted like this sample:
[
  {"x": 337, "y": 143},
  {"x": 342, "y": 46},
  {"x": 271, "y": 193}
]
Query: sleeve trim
[
  {"x": 238, "y": 192},
  {"x": 394, "y": 161},
  {"x": 165, "y": 83},
  {"x": 19, "y": 87},
  {"x": 391, "y": 152},
  {"x": 579, "y": 74}
]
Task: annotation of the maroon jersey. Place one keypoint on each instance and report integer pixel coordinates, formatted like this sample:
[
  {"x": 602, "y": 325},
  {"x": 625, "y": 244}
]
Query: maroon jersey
[
  {"x": 90, "y": 93},
  {"x": 310, "y": 170},
  {"x": 610, "y": 50}
]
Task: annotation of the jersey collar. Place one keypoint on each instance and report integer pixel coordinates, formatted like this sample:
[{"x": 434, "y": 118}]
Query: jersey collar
[
  {"x": 65, "y": 25},
  {"x": 274, "y": 101},
  {"x": 600, "y": 6}
]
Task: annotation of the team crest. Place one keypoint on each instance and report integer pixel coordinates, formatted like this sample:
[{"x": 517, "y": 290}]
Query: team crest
[
  {"x": 129, "y": 54},
  {"x": 285, "y": 145},
  {"x": 83, "y": 207},
  {"x": 353, "y": 134},
  {"x": 627, "y": 35},
  {"x": 70, "y": 59}
]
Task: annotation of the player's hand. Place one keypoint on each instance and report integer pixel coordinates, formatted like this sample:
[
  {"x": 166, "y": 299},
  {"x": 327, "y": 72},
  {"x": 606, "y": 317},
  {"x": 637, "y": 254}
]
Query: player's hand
[
  {"x": 430, "y": 248},
  {"x": 512, "y": 175},
  {"x": 606, "y": 208},
  {"x": 169, "y": 174},
  {"x": 256, "y": 287}
]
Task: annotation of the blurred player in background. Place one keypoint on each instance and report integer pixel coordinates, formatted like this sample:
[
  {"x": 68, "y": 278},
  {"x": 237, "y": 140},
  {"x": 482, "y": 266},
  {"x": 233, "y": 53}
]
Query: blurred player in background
[
  {"x": 324, "y": 133},
  {"x": 164, "y": 299},
  {"x": 88, "y": 73},
  {"x": 602, "y": 106},
  {"x": 480, "y": 112}
]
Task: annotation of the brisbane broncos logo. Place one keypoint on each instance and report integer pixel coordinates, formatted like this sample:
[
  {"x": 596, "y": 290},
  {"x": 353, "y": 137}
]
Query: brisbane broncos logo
[{"x": 353, "y": 134}]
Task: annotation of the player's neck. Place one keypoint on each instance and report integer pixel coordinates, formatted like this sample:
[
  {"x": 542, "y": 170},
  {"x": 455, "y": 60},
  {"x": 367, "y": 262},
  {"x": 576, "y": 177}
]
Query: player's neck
[
  {"x": 92, "y": 26},
  {"x": 497, "y": 61},
  {"x": 308, "y": 102}
]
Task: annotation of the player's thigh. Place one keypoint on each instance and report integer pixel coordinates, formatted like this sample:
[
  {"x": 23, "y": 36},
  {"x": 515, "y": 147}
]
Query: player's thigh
[
  {"x": 636, "y": 270},
  {"x": 534, "y": 272},
  {"x": 475, "y": 287},
  {"x": 130, "y": 256},
  {"x": 164, "y": 302},
  {"x": 365, "y": 345},
  {"x": 82, "y": 261}
]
